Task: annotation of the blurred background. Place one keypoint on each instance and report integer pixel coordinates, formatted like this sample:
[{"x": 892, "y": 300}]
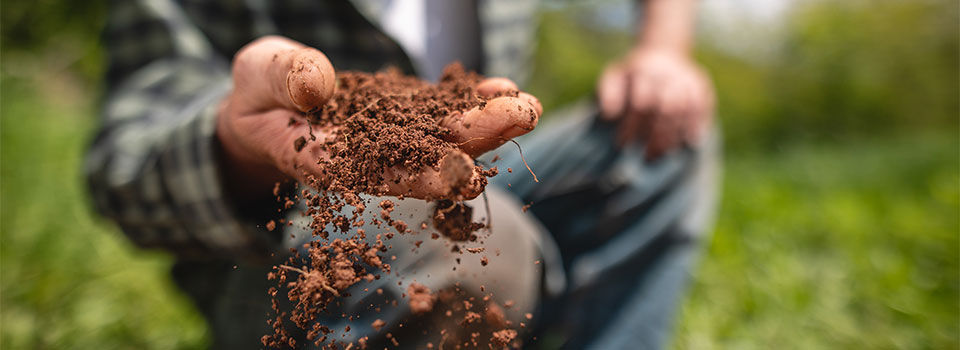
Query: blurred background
[{"x": 838, "y": 226}]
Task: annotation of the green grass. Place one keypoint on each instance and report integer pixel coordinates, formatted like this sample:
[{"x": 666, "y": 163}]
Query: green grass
[
  {"x": 837, "y": 245},
  {"x": 69, "y": 279},
  {"x": 850, "y": 245}
]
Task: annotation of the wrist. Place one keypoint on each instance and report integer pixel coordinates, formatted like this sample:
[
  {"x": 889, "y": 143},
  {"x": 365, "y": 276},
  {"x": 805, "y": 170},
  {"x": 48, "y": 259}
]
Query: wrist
[
  {"x": 645, "y": 51},
  {"x": 667, "y": 25},
  {"x": 662, "y": 48}
]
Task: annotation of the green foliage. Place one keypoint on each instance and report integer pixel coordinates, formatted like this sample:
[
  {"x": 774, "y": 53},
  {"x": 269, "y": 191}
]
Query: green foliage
[
  {"x": 845, "y": 68},
  {"x": 851, "y": 245},
  {"x": 61, "y": 33},
  {"x": 569, "y": 60},
  {"x": 70, "y": 280}
]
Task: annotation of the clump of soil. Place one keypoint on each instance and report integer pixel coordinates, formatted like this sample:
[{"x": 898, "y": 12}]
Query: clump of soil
[
  {"x": 454, "y": 220},
  {"x": 421, "y": 301},
  {"x": 503, "y": 337},
  {"x": 387, "y": 120},
  {"x": 379, "y": 122}
]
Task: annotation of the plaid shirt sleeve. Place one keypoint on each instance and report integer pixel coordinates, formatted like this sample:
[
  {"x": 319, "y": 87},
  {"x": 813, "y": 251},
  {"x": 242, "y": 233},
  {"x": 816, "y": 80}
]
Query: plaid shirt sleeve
[{"x": 153, "y": 165}]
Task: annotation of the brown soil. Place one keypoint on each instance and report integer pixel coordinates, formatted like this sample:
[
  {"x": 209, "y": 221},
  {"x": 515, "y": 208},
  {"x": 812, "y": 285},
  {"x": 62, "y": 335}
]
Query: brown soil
[
  {"x": 380, "y": 122},
  {"x": 454, "y": 220},
  {"x": 421, "y": 301},
  {"x": 503, "y": 337},
  {"x": 387, "y": 120}
]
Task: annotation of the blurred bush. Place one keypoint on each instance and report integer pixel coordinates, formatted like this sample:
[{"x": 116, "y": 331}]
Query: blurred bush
[
  {"x": 56, "y": 33},
  {"x": 842, "y": 69},
  {"x": 845, "y": 68}
]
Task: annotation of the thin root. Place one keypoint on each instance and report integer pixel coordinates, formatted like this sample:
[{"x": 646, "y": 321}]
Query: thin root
[
  {"x": 525, "y": 161},
  {"x": 294, "y": 269}
]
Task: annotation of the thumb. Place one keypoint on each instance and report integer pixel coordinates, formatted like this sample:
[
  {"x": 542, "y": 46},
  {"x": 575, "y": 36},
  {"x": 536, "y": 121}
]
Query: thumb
[{"x": 276, "y": 72}]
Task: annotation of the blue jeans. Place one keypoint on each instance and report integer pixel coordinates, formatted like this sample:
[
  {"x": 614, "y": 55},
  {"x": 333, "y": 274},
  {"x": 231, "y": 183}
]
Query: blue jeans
[{"x": 626, "y": 229}]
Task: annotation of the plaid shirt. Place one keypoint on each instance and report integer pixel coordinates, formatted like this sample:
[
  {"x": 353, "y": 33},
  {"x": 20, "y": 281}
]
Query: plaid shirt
[{"x": 153, "y": 164}]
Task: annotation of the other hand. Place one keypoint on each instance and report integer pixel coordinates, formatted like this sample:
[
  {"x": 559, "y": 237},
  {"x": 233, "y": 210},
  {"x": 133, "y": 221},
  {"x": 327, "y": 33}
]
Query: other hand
[{"x": 660, "y": 96}]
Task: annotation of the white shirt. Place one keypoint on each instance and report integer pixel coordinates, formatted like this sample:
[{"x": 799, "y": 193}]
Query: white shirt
[{"x": 435, "y": 33}]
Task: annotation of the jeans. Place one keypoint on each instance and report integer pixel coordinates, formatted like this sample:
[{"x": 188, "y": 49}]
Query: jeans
[{"x": 626, "y": 229}]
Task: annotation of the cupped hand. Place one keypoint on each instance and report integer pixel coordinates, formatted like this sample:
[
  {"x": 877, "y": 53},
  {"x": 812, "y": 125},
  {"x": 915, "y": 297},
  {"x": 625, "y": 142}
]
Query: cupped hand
[
  {"x": 659, "y": 96},
  {"x": 276, "y": 80}
]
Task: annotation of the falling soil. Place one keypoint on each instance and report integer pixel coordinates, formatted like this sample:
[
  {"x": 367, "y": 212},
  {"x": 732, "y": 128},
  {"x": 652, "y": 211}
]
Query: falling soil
[
  {"x": 421, "y": 301},
  {"x": 378, "y": 123}
]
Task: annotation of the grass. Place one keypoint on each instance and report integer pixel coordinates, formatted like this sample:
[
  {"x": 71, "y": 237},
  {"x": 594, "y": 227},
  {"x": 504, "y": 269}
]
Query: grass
[
  {"x": 850, "y": 245},
  {"x": 841, "y": 245},
  {"x": 69, "y": 279}
]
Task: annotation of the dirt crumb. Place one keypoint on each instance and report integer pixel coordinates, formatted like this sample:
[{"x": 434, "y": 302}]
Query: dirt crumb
[
  {"x": 421, "y": 300},
  {"x": 503, "y": 337},
  {"x": 494, "y": 316},
  {"x": 454, "y": 220},
  {"x": 378, "y": 324}
]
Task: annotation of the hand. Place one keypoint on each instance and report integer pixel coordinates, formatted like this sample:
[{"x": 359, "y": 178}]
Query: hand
[
  {"x": 276, "y": 80},
  {"x": 658, "y": 95}
]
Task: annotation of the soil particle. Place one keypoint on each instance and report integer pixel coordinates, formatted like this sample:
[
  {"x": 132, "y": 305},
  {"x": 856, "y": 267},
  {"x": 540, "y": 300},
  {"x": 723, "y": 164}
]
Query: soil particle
[
  {"x": 454, "y": 220},
  {"x": 378, "y": 324},
  {"x": 494, "y": 316},
  {"x": 503, "y": 338},
  {"x": 471, "y": 317},
  {"x": 421, "y": 300}
]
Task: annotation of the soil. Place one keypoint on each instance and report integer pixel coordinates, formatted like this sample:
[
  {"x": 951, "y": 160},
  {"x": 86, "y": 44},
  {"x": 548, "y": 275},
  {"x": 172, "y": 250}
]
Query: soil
[
  {"x": 503, "y": 337},
  {"x": 421, "y": 301},
  {"x": 379, "y": 122},
  {"x": 454, "y": 220},
  {"x": 386, "y": 120}
]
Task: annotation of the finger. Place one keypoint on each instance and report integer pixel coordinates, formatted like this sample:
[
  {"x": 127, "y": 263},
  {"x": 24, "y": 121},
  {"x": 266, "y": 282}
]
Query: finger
[
  {"x": 612, "y": 92},
  {"x": 631, "y": 127},
  {"x": 641, "y": 107},
  {"x": 643, "y": 93},
  {"x": 456, "y": 177},
  {"x": 665, "y": 131},
  {"x": 533, "y": 101},
  {"x": 501, "y": 119},
  {"x": 493, "y": 87},
  {"x": 673, "y": 99},
  {"x": 275, "y": 72}
]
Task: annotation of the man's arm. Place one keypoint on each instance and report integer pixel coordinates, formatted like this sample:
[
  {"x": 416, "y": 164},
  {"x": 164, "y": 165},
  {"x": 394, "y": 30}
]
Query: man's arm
[
  {"x": 667, "y": 25},
  {"x": 153, "y": 167},
  {"x": 658, "y": 93},
  {"x": 189, "y": 146}
]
